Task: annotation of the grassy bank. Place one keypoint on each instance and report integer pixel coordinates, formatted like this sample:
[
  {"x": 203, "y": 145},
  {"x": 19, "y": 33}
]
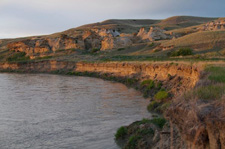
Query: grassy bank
[{"x": 212, "y": 87}]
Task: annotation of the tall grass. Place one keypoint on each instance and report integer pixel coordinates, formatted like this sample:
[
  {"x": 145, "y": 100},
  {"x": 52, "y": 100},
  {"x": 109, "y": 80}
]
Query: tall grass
[
  {"x": 217, "y": 74},
  {"x": 214, "y": 90}
]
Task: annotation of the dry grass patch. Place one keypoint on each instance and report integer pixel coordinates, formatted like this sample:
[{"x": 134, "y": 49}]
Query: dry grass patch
[{"x": 207, "y": 40}]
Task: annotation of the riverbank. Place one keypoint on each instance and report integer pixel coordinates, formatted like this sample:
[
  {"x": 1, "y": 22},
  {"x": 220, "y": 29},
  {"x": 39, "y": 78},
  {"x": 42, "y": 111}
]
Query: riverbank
[
  {"x": 168, "y": 73},
  {"x": 163, "y": 83}
]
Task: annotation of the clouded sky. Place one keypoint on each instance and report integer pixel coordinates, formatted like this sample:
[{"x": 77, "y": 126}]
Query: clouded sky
[{"x": 35, "y": 17}]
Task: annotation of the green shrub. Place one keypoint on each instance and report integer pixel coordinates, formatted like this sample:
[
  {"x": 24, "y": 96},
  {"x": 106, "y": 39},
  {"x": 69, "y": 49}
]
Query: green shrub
[
  {"x": 149, "y": 83},
  {"x": 151, "y": 45},
  {"x": 152, "y": 106},
  {"x": 160, "y": 122},
  {"x": 165, "y": 106},
  {"x": 45, "y": 57},
  {"x": 161, "y": 95},
  {"x": 121, "y": 133},
  {"x": 181, "y": 52},
  {"x": 132, "y": 142},
  {"x": 18, "y": 56},
  {"x": 146, "y": 131},
  {"x": 162, "y": 107},
  {"x": 145, "y": 82},
  {"x": 120, "y": 49},
  {"x": 131, "y": 81},
  {"x": 145, "y": 95},
  {"x": 95, "y": 50},
  {"x": 162, "y": 89},
  {"x": 143, "y": 121},
  {"x": 159, "y": 85}
]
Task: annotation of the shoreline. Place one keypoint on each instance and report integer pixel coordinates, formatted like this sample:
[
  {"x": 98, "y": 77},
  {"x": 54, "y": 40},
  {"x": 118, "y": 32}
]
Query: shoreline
[{"x": 132, "y": 74}]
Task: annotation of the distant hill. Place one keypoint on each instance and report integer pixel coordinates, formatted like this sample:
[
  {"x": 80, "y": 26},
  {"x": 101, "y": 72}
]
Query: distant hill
[
  {"x": 133, "y": 25},
  {"x": 186, "y": 20},
  {"x": 182, "y": 31}
]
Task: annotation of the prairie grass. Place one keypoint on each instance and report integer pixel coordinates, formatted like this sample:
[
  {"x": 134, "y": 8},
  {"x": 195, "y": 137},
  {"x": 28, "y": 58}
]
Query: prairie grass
[
  {"x": 207, "y": 38},
  {"x": 214, "y": 89},
  {"x": 217, "y": 74}
]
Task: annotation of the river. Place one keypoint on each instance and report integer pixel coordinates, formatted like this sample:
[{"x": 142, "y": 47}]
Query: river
[{"x": 42, "y": 111}]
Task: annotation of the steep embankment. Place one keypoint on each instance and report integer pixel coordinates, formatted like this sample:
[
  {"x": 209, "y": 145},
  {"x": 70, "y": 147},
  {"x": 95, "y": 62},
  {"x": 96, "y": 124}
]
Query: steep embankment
[
  {"x": 175, "y": 77},
  {"x": 200, "y": 123}
]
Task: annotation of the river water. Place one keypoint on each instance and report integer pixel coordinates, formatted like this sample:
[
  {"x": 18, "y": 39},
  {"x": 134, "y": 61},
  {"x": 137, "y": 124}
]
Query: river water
[{"x": 41, "y": 111}]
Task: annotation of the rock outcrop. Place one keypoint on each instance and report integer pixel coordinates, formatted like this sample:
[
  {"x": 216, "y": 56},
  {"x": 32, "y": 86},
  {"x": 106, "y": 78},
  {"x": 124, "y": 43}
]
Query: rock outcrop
[
  {"x": 214, "y": 25},
  {"x": 153, "y": 34},
  {"x": 116, "y": 42},
  {"x": 46, "y": 45},
  {"x": 104, "y": 39},
  {"x": 107, "y": 32},
  {"x": 112, "y": 39},
  {"x": 90, "y": 39}
]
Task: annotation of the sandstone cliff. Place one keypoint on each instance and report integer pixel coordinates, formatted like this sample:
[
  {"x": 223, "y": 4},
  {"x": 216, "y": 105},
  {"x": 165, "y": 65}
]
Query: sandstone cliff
[{"x": 176, "y": 78}]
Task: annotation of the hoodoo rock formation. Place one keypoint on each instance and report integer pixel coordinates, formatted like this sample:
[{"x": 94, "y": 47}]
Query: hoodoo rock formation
[
  {"x": 154, "y": 33},
  {"x": 106, "y": 32},
  {"x": 43, "y": 45},
  {"x": 103, "y": 39},
  {"x": 214, "y": 25}
]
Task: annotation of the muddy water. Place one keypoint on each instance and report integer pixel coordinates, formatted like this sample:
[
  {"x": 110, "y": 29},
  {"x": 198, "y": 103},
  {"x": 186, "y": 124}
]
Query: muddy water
[{"x": 41, "y": 111}]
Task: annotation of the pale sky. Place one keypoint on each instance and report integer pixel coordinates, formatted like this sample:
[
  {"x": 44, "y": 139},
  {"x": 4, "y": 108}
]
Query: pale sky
[{"x": 36, "y": 17}]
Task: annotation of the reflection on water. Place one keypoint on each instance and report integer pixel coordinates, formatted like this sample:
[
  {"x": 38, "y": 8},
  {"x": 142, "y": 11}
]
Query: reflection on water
[{"x": 50, "y": 111}]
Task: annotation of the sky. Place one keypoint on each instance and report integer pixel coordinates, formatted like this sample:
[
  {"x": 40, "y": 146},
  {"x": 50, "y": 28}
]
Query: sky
[{"x": 20, "y": 18}]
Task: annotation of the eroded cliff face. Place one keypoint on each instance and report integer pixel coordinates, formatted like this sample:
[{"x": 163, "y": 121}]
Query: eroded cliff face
[
  {"x": 42, "y": 66},
  {"x": 176, "y": 78},
  {"x": 200, "y": 124}
]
